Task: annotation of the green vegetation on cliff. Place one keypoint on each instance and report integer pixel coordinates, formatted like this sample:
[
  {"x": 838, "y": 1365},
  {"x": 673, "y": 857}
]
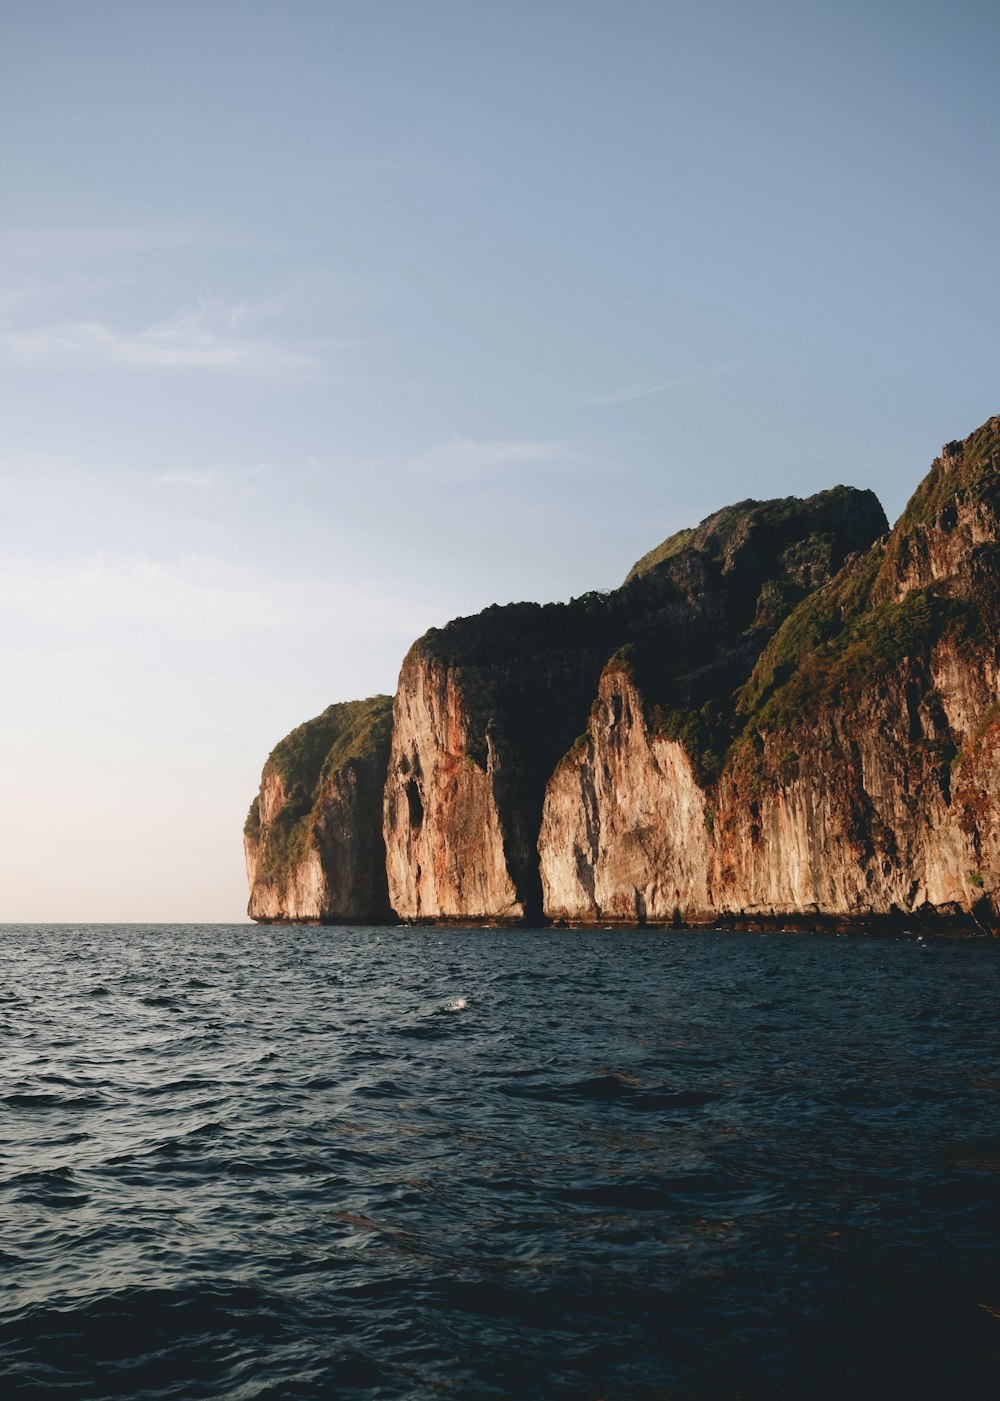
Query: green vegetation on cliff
[
  {"x": 812, "y": 537},
  {"x": 825, "y": 659},
  {"x": 669, "y": 549},
  {"x": 859, "y": 628},
  {"x": 705, "y": 735},
  {"x": 756, "y": 563},
  {"x": 699, "y": 608},
  {"x": 819, "y": 622},
  {"x": 345, "y": 731},
  {"x": 314, "y": 752},
  {"x": 828, "y": 645},
  {"x": 968, "y": 468}
]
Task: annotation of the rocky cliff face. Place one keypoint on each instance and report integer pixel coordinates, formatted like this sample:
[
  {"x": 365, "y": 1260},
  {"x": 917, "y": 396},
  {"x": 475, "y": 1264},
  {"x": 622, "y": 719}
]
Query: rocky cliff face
[
  {"x": 486, "y": 707},
  {"x": 313, "y": 839},
  {"x": 853, "y": 775},
  {"x": 864, "y": 781},
  {"x": 443, "y": 835},
  {"x": 483, "y": 710},
  {"x": 788, "y": 713},
  {"x": 623, "y": 834}
]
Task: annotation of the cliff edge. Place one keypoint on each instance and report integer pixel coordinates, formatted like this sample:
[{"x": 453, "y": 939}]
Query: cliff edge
[
  {"x": 788, "y": 713},
  {"x": 849, "y": 779},
  {"x": 487, "y": 706},
  {"x": 313, "y": 839}
]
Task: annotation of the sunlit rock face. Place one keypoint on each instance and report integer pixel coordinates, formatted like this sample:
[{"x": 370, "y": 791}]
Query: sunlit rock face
[
  {"x": 313, "y": 838},
  {"x": 787, "y": 713},
  {"x": 483, "y": 710},
  {"x": 864, "y": 781},
  {"x": 487, "y": 707},
  {"x": 850, "y": 777},
  {"x": 623, "y": 835},
  {"x": 444, "y": 840}
]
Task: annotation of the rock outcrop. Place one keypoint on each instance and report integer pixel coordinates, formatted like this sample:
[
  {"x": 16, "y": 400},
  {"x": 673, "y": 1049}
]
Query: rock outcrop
[
  {"x": 864, "y": 782},
  {"x": 483, "y": 710},
  {"x": 486, "y": 706},
  {"x": 624, "y": 834},
  {"x": 851, "y": 778},
  {"x": 313, "y": 837},
  {"x": 786, "y": 714}
]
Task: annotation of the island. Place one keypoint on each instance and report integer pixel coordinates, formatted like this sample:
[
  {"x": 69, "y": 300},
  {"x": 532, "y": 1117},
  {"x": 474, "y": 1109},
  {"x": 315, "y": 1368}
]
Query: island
[{"x": 788, "y": 715}]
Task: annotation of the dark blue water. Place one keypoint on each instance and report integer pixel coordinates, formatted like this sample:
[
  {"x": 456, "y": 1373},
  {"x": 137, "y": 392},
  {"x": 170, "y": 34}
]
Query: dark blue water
[{"x": 300, "y": 1162}]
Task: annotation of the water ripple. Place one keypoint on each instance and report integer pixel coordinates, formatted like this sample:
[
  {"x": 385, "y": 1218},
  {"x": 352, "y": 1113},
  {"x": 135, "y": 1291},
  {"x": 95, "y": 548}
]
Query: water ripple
[{"x": 247, "y": 1162}]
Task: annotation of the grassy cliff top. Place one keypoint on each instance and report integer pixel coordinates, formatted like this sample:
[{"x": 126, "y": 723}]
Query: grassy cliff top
[
  {"x": 880, "y": 609},
  {"x": 726, "y": 536},
  {"x": 800, "y": 540},
  {"x": 345, "y": 731},
  {"x": 695, "y": 622},
  {"x": 859, "y": 627},
  {"x": 969, "y": 467},
  {"x": 503, "y": 632}
]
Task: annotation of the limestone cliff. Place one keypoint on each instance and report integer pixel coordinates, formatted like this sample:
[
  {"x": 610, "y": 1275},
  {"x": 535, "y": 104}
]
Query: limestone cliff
[
  {"x": 788, "y": 713},
  {"x": 486, "y": 706},
  {"x": 313, "y": 840},
  {"x": 865, "y": 779},
  {"x": 853, "y": 776},
  {"x": 483, "y": 710},
  {"x": 623, "y": 834}
]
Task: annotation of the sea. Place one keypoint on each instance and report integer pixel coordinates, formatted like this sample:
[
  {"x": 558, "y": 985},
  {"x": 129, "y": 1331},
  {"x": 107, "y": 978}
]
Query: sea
[{"x": 306, "y": 1162}]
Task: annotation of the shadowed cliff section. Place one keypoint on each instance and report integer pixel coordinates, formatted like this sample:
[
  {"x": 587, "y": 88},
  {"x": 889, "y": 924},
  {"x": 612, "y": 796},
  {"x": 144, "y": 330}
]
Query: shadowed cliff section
[
  {"x": 706, "y": 602},
  {"x": 483, "y": 709},
  {"x": 487, "y": 705},
  {"x": 849, "y": 780},
  {"x": 785, "y": 714},
  {"x": 869, "y": 754},
  {"x": 313, "y": 837}
]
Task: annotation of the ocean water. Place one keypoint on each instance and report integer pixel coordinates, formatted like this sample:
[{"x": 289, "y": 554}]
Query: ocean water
[{"x": 303, "y": 1162}]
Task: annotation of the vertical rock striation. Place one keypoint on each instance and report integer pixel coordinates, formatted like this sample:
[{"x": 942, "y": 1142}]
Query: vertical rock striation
[
  {"x": 483, "y": 710},
  {"x": 787, "y": 713},
  {"x": 623, "y": 833},
  {"x": 444, "y": 841},
  {"x": 626, "y": 824},
  {"x": 486, "y": 707},
  {"x": 865, "y": 780},
  {"x": 313, "y": 839},
  {"x": 852, "y": 776}
]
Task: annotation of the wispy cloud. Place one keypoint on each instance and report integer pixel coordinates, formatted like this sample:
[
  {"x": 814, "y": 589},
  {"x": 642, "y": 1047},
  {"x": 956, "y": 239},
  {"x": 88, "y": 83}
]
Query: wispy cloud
[
  {"x": 645, "y": 389},
  {"x": 197, "y": 597},
  {"x": 467, "y": 459},
  {"x": 28, "y": 244},
  {"x": 184, "y": 479},
  {"x": 208, "y": 336}
]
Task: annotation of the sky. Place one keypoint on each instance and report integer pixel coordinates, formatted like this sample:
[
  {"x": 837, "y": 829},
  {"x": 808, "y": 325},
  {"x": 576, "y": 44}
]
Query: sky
[{"x": 322, "y": 323}]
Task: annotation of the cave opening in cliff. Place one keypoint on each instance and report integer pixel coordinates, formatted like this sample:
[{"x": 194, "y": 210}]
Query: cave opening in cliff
[{"x": 415, "y": 804}]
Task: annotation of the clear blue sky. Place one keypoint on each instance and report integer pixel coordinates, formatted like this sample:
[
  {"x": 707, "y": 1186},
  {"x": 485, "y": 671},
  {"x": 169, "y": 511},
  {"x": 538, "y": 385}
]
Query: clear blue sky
[{"x": 323, "y": 322}]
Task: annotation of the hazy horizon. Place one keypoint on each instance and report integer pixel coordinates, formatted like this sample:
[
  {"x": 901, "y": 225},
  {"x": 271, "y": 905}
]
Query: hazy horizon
[{"x": 322, "y": 324}]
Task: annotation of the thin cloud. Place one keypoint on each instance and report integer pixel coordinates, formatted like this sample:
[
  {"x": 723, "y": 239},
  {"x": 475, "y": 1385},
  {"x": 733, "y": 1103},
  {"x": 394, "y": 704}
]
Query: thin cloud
[
  {"x": 253, "y": 313},
  {"x": 184, "y": 479},
  {"x": 466, "y": 459},
  {"x": 208, "y": 336},
  {"x": 645, "y": 390},
  {"x": 31, "y": 294},
  {"x": 197, "y": 597},
  {"x": 68, "y": 245}
]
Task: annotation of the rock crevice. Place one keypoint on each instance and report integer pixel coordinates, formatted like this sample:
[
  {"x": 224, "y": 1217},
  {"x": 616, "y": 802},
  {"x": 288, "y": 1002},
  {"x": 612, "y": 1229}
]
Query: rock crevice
[{"x": 787, "y": 713}]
